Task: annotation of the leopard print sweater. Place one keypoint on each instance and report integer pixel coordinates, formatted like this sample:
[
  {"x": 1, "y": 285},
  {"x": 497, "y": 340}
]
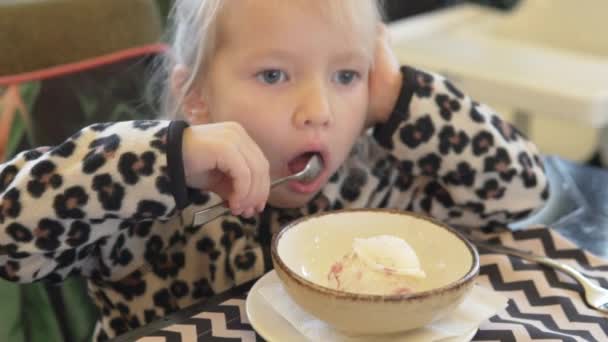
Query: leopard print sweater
[{"x": 103, "y": 204}]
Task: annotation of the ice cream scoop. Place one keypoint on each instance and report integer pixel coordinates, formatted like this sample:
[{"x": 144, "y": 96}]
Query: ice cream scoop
[
  {"x": 388, "y": 253},
  {"x": 381, "y": 265}
]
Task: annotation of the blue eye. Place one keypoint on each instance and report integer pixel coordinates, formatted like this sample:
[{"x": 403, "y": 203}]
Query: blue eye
[
  {"x": 271, "y": 76},
  {"x": 346, "y": 77}
]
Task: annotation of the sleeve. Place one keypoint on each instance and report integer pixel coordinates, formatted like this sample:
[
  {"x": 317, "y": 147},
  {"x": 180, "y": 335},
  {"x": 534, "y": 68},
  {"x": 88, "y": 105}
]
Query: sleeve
[
  {"x": 56, "y": 203},
  {"x": 471, "y": 168}
]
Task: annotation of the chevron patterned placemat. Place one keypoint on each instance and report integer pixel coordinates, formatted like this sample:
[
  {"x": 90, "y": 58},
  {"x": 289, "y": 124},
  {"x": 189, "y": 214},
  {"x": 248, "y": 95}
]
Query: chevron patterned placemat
[{"x": 544, "y": 304}]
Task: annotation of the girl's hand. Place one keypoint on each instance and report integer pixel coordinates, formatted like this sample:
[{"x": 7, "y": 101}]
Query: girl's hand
[
  {"x": 385, "y": 80},
  {"x": 222, "y": 158}
]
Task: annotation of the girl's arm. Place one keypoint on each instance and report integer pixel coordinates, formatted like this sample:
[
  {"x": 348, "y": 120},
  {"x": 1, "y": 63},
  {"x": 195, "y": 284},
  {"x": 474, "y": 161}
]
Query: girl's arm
[
  {"x": 57, "y": 203},
  {"x": 471, "y": 167}
]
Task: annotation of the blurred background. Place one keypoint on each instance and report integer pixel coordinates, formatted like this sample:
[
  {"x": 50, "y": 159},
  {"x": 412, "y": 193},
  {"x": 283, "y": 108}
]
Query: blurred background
[{"x": 65, "y": 64}]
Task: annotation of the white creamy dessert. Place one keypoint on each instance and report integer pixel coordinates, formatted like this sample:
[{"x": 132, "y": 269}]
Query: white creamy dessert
[{"x": 380, "y": 265}]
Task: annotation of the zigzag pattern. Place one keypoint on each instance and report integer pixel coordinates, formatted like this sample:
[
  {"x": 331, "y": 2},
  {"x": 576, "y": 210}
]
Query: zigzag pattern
[
  {"x": 527, "y": 331},
  {"x": 544, "y": 304},
  {"x": 226, "y": 322},
  {"x": 550, "y": 249},
  {"x": 534, "y": 298},
  {"x": 495, "y": 335},
  {"x": 162, "y": 336}
]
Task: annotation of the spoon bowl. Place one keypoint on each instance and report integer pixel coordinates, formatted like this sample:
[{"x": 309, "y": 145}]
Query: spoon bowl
[{"x": 310, "y": 172}]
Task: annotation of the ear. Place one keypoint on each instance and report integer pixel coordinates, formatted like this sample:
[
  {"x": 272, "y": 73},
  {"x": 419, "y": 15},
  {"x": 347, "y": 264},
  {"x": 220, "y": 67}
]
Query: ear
[{"x": 193, "y": 106}]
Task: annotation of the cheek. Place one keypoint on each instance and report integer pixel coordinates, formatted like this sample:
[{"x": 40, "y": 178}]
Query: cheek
[
  {"x": 229, "y": 106},
  {"x": 251, "y": 112},
  {"x": 243, "y": 101},
  {"x": 352, "y": 119},
  {"x": 363, "y": 93},
  {"x": 353, "y": 107}
]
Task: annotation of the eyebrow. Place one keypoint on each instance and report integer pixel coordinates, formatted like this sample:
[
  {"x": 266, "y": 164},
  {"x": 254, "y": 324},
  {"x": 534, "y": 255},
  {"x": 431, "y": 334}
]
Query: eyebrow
[
  {"x": 256, "y": 54},
  {"x": 341, "y": 57},
  {"x": 354, "y": 55}
]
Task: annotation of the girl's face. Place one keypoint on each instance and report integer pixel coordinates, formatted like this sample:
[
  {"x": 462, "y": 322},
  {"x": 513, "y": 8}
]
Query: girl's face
[{"x": 295, "y": 80}]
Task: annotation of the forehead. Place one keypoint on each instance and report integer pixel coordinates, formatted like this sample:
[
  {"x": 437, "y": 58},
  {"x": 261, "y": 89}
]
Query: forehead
[{"x": 259, "y": 22}]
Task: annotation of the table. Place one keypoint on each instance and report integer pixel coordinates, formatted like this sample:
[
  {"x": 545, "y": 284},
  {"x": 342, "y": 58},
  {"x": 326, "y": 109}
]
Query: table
[{"x": 577, "y": 209}]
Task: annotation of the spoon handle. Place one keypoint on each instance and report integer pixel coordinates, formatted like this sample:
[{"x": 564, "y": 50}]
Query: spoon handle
[{"x": 211, "y": 213}]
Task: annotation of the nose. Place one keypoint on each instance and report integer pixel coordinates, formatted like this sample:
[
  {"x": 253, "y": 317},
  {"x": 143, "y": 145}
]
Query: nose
[{"x": 314, "y": 110}]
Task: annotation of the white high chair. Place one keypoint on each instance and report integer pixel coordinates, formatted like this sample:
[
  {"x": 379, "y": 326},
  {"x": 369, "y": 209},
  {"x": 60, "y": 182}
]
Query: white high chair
[{"x": 545, "y": 63}]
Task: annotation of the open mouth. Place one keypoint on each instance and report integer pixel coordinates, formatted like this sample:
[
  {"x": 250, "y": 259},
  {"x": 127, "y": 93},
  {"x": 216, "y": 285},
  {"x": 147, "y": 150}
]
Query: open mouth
[{"x": 299, "y": 163}]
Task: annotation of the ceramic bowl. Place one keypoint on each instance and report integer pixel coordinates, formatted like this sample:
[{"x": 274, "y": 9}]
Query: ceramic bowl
[{"x": 304, "y": 251}]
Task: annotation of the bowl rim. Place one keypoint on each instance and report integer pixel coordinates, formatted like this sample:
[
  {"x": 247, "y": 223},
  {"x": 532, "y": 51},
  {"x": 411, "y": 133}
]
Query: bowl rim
[{"x": 465, "y": 280}]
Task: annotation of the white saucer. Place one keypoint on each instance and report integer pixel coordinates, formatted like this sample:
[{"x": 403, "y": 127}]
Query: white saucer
[
  {"x": 273, "y": 327},
  {"x": 267, "y": 322}
]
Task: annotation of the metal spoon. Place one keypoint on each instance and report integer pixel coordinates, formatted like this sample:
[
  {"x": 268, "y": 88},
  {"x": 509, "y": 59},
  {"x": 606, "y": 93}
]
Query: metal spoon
[
  {"x": 595, "y": 296},
  {"x": 310, "y": 172}
]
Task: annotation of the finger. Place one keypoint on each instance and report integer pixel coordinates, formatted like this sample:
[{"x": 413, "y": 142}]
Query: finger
[
  {"x": 263, "y": 185},
  {"x": 234, "y": 164},
  {"x": 223, "y": 188},
  {"x": 383, "y": 32},
  {"x": 258, "y": 163},
  {"x": 248, "y": 213},
  {"x": 265, "y": 190},
  {"x": 246, "y": 154}
]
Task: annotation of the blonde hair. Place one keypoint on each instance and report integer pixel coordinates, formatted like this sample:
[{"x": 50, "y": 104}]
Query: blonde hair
[{"x": 194, "y": 37}]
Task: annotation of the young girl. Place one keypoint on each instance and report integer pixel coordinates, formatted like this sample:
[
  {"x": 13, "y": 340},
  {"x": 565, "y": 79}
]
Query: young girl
[{"x": 263, "y": 85}]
